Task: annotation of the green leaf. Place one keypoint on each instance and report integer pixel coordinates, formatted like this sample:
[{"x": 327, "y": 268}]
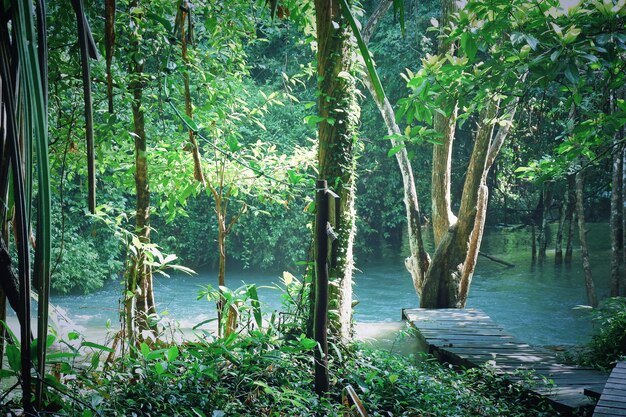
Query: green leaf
[
  {"x": 191, "y": 124},
  {"x": 5, "y": 373},
  {"x": 145, "y": 350},
  {"x": 395, "y": 150},
  {"x": 369, "y": 64},
  {"x": 198, "y": 412},
  {"x": 557, "y": 29},
  {"x": 468, "y": 44},
  {"x": 95, "y": 360},
  {"x": 159, "y": 19},
  {"x": 172, "y": 353},
  {"x": 308, "y": 343},
  {"x": 13, "y": 356},
  {"x": 256, "y": 305},
  {"x": 532, "y": 41},
  {"x": 159, "y": 368},
  {"x": 97, "y": 346},
  {"x": 398, "y": 9},
  {"x": 294, "y": 178},
  {"x": 571, "y": 35},
  {"x": 60, "y": 355},
  {"x": 313, "y": 120},
  {"x": 571, "y": 72},
  {"x": 233, "y": 143}
]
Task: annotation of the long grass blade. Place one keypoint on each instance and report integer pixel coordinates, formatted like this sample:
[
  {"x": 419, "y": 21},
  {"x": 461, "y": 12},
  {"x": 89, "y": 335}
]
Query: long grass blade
[
  {"x": 21, "y": 225},
  {"x": 84, "y": 41},
  {"x": 37, "y": 138},
  {"x": 369, "y": 64},
  {"x": 43, "y": 238}
]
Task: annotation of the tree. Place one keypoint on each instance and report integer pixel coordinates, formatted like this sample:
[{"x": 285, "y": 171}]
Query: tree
[
  {"x": 419, "y": 260},
  {"x": 236, "y": 168},
  {"x": 139, "y": 288},
  {"x": 337, "y": 145},
  {"x": 589, "y": 43},
  {"x": 444, "y": 282}
]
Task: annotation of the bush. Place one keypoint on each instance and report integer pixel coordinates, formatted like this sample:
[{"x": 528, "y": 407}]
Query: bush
[
  {"x": 608, "y": 344},
  {"x": 262, "y": 374}
]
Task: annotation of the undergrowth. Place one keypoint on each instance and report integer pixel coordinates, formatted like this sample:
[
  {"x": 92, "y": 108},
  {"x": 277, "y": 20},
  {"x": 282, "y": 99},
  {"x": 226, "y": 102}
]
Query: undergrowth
[
  {"x": 608, "y": 344},
  {"x": 265, "y": 374},
  {"x": 265, "y": 369}
]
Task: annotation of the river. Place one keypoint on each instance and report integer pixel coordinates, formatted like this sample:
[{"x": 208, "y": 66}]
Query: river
[{"x": 536, "y": 303}]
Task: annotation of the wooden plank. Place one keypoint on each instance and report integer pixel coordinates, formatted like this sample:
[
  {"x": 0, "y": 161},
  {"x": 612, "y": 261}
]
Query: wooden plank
[
  {"x": 614, "y": 403},
  {"x": 470, "y": 338},
  {"x": 609, "y": 411},
  {"x": 613, "y": 399},
  {"x": 612, "y": 391}
]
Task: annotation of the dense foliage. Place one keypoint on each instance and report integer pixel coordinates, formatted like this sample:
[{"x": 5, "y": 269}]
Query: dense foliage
[
  {"x": 229, "y": 101},
  {"x": 608, "y": 344},
  {"x": 274, "y": 58},
  {"x": 265, "y": 374}
]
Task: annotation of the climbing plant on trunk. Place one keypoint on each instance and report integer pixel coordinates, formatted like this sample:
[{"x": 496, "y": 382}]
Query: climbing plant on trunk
[
  {"x": 337, "y": 145},
  {"x": 139, "y": 290}
]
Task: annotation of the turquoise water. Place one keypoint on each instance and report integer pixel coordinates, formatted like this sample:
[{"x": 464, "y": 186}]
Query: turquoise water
[{"x": 535, "y": 303}]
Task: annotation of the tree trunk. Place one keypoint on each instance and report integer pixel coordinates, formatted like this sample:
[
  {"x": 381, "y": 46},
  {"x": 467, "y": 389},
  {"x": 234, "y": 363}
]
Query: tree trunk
[
  {"x": 569, "y": 218},
  {"x": 221, "y": 250},
  {"x": 449, "y": 276},
  {"x": 185, "y": 37},
  {"x": 616, "y": 221},
  {"x": 582, "y": 231},
  {"x": 442, "y": 215},
  {"x": 546, "y": 196},
  {"x": 533, "y": 242},
  {"x": 340, "y": 112},
  {"x": 417, "y": 263},
  {"x": 144, "y": 298},
  {"x": 623, "y": 278},
  {"x": 558, "y": 244},
  {"x": 447, "y": 281}
]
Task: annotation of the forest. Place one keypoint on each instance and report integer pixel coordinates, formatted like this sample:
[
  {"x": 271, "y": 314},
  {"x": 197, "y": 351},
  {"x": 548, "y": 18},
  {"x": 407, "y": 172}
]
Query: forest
[{"x": 164, "y": 163}]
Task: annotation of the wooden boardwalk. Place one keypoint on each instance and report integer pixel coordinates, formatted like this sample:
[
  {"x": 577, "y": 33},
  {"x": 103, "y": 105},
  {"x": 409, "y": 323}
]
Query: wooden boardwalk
[
  {"x": 469, "y": 338},
  {"x": 613, "y": 400}
]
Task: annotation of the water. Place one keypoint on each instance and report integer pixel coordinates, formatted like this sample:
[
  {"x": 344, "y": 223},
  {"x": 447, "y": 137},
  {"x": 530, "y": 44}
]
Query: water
[{"x": 534, "y": 303}]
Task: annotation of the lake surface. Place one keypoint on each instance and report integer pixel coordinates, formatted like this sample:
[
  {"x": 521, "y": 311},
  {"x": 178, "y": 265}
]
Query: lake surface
[{"x": 533, "y": 302}]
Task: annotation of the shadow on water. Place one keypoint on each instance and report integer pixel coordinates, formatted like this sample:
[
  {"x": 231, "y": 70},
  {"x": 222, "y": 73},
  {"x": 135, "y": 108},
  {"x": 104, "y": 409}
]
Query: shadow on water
[{"x": 533, "y": 302}]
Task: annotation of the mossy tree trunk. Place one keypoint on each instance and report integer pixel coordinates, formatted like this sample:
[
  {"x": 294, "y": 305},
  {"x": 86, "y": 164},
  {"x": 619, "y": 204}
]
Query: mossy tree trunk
[
  {"x": 546, "y": 203},
  {"x": 139, "y": 281},
  {"x": 617, "y": 245},
  {"x": 623, "y": 277},
  {"x": 339, "y": 113},
  {"x": 569, "y": 218},
  {"x": 582, "y": 233}
]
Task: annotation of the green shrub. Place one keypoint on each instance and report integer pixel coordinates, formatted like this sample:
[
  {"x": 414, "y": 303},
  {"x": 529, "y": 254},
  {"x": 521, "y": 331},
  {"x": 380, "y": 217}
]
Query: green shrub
[
  {"x": 262, "y": 374},
  {"x": 608, "y": 344}
]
